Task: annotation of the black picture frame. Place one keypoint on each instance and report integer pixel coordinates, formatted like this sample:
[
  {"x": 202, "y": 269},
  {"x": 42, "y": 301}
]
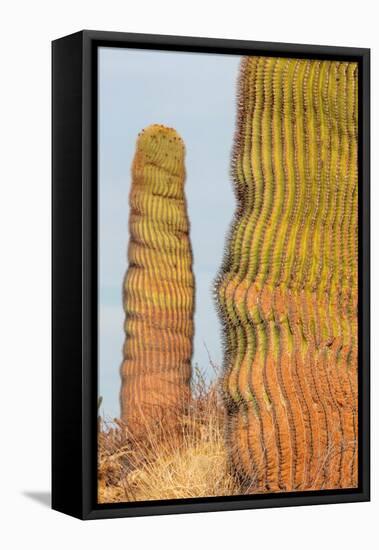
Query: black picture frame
[{"x": 74, "y": 273}]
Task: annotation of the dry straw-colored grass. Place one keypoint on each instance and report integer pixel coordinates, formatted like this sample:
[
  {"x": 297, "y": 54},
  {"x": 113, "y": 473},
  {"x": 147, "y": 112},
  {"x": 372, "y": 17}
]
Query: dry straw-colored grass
[{"x": 166, "y": 465}]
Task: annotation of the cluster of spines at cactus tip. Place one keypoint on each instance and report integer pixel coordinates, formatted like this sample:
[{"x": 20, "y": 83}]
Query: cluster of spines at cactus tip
[
  {"x": 158, "y": 290},
  {"x": 287, "y": 289}
]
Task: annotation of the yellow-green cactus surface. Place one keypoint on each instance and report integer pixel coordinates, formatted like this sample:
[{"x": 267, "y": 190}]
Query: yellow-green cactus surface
[
  {"x": 158, "y": 290},
  {"x": 287, "y": 291}
]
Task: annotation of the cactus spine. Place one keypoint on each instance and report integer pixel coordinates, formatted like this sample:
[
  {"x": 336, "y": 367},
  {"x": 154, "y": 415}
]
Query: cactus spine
[
  {"x": 287, "y": 290},
  {"x": 158, "y": 290}
]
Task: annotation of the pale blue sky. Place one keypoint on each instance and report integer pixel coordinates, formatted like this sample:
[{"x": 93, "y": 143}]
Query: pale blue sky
[{"x": 196, "y": 95}]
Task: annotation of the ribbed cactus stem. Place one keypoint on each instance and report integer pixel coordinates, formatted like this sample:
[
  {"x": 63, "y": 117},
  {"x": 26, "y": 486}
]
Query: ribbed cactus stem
[
  {"x": 287, "y": 291},
  {"x": 158, "y": 291}
]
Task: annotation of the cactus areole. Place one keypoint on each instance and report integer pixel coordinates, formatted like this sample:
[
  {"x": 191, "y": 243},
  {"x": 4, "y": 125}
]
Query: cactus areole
[
  {"x": 158, "y": 289},
  {"x": 287, "y": 291}
]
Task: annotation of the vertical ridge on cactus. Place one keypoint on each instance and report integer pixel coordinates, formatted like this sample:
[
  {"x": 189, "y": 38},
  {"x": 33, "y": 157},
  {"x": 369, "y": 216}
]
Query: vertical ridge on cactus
[
  {"x": 158, "y": 290},
  {"x": 287, "y": 290}
]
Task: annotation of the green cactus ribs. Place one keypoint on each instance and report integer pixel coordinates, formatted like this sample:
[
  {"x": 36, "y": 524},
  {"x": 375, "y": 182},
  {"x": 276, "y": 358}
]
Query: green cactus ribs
[
  {"x": 287, "y": 290},
  {"x": 158, "y": 290}
]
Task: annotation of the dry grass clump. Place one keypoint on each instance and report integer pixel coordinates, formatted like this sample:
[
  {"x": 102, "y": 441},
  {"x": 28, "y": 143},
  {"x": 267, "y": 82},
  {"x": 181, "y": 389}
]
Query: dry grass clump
[{"x": 165, "y": 464}]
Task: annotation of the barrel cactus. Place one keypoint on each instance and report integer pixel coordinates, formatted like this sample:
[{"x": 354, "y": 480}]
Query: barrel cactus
[
  {"x": 287, "y": 289},
  {"x": 158, "y": 289}
]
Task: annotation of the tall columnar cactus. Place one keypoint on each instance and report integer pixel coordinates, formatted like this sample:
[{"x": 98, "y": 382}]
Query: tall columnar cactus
[
  {"x": 287, "y": 291},
  {"x": 158, "y": 291}
]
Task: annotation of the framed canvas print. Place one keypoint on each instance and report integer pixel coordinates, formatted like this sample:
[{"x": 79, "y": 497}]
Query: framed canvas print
[{"x": 210, "y": 274}]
